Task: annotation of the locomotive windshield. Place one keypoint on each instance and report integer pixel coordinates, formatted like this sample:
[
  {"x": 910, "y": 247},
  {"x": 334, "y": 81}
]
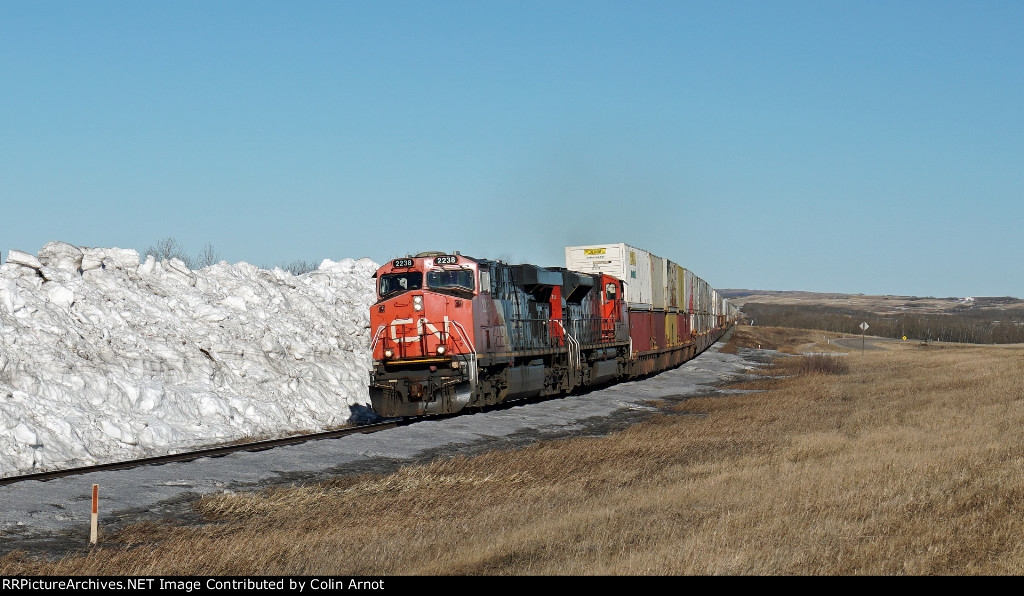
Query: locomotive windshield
[
  {"x": 396, "y": 283},
  {"x": 451, "y": 280}
]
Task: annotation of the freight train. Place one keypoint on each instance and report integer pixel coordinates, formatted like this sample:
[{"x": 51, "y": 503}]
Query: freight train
[{"x": 451, "y": 332}]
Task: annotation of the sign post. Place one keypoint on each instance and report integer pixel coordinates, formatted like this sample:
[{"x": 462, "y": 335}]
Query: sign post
[
  {"x": 863, "y": 327},
  {"x": 95, "y": 514}
]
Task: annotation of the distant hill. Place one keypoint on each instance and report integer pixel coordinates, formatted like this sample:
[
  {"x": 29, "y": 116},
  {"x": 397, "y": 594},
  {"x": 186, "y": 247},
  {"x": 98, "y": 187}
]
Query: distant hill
[{"x": 879, "y": 304}]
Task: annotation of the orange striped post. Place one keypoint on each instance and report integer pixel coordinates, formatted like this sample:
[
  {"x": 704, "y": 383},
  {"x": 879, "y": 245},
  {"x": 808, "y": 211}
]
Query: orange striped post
[{"x": 95, "y": 513}]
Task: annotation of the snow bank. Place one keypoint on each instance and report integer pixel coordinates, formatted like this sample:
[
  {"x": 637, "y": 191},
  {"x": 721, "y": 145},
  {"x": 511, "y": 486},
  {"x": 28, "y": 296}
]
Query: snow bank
[{"x": 103, "y": 358}]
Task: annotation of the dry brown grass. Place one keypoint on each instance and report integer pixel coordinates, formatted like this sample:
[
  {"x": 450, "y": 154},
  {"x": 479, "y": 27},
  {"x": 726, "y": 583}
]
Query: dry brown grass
[
  {"x": 782, "y": 339},
  {"x": 822, "y": 364},
  {"x": 911, "y": 463}
]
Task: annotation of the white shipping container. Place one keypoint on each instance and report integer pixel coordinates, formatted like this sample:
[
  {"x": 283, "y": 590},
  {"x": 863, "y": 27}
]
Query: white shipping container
[
  {"x": 628, "y": 263},
  {"x": 704, "y": 296},
  {"x": 697, "y": 293}
]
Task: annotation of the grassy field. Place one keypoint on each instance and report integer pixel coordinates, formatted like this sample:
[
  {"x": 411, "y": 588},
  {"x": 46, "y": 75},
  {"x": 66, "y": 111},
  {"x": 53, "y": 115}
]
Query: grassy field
[{"x": 899, "y": 461}]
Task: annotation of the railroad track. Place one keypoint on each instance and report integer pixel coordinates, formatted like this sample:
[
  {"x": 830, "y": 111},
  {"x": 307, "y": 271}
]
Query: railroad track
[
  {"x": 229, "y": 449},
  {"x": 207, "y": 452}
]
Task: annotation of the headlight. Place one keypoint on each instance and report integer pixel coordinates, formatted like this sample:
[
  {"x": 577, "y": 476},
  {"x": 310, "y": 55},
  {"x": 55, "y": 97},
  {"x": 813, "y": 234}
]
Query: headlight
[
  {"x": 388, "y": 353},
  {"x": 417, "y": 302},
  {"x": 440, "y": 350}
]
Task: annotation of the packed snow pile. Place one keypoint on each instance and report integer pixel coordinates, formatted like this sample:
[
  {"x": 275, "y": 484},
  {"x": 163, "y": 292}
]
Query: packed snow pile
[{"x": 104, "y": 359}]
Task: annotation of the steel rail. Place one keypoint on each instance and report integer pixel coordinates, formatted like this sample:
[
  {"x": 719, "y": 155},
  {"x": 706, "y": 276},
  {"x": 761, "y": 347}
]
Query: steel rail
[{"x": 206, "y": 452}]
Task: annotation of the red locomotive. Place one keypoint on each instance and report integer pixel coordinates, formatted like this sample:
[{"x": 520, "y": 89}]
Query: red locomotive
[{"x": 451, "y": 332}]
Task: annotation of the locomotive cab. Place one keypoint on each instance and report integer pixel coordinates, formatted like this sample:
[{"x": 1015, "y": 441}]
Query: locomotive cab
[{"x": 612, "y": 322}]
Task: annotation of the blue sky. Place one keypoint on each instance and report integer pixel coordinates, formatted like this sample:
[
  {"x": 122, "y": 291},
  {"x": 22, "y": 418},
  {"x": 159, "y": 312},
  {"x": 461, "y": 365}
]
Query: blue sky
[{"x": 873, "y": 147}]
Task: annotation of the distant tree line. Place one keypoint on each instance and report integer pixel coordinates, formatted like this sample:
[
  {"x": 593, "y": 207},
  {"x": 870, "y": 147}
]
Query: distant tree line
[
  {"x": 963, "y": 325},
  {"x": 170, "y": 248}
]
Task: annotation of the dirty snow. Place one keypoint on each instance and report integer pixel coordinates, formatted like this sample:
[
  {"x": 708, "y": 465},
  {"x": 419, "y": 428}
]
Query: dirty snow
[{"x": 104, "y": 358}]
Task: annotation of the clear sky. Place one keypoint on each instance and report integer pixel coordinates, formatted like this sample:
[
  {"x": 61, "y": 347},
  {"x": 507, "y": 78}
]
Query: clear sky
[{"x": 859, "y": 146}]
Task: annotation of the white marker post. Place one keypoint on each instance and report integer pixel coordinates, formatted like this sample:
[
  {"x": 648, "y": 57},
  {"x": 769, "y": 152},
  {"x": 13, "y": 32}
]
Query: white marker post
[
  {"x": 863, "y": 327},
  {"x": 95, "y": 513}
]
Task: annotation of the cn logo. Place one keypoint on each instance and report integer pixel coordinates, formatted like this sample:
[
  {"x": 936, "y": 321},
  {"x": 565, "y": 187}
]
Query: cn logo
[{"x": 421, "y": 325}]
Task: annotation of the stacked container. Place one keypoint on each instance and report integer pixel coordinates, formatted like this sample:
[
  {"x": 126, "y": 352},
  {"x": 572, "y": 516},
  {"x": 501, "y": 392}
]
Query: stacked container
[
  {"x": 672, "y": 284},
  {"x": 628, "y": 263},
  {"x": 668, "y": 305}
]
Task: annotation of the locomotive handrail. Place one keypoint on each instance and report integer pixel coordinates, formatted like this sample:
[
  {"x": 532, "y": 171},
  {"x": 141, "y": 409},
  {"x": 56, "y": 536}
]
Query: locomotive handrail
[
  {"x": 465, "y": 337},
  {"x": 594, "y": 329},
  {"x": 376, "y": 336},
  {"x": 587, "y": 330},
  {"x": 575, "y": 354},
  {"x": 462, "y": 331}
]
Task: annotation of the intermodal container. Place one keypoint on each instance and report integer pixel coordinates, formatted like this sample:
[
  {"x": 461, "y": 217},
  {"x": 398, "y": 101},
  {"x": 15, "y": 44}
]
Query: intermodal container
[
  {"x": 658, "y": 282},
  {"x": 672, "y": 284},
  {"x": 628, "y": 263}
]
